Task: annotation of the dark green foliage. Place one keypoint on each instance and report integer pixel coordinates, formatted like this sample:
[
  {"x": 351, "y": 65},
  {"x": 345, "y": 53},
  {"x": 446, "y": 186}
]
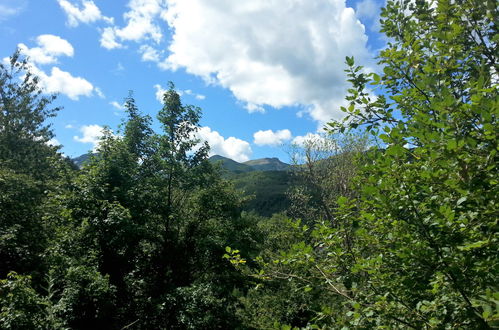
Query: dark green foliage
[
  {"x": 264, "y": 182},
  {"x": 403, "y": 235},
  {"x": 415, "y": 246},
  {"x": 29, "y": 168},
  {"x": 21, "y": 306},
  {"x": 24, "y": 132},
  {"x": 82, "y": 159},
  {"x": 266, "y": 191}
]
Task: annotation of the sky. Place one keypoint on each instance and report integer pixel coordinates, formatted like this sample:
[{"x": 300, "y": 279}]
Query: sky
[{"x": 266, "y": 73}]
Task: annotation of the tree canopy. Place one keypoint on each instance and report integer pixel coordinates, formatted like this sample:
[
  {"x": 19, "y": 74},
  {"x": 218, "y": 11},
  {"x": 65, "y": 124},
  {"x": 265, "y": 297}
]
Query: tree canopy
[{"x": 390, "y": 223}]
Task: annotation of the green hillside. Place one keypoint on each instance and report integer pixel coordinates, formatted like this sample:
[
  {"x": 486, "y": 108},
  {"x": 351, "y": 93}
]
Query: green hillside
[
  {"x": 264, "y": 180},
  {"x": 268, "y": 164},
  {"x": 230, "y": 166},
  {"x": 82, "y": 159},
  {"x": 268, "y": 189}
]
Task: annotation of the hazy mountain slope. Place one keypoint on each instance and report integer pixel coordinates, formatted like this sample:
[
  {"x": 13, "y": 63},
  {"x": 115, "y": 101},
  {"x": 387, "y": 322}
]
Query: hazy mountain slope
[
  {"x": 268, "y": 164},
  {"x": 230, "y": 165}
]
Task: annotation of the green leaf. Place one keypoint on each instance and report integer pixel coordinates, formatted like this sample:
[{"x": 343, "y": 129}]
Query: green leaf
[{"x": 474, "y": 245}]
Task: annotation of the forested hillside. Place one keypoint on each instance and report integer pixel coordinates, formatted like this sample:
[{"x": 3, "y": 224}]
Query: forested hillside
[{"x": 390, "y": 221}]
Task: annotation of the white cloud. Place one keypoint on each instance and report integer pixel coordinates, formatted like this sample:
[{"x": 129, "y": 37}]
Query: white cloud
[
  {"x": 10, "y": 8},
  {"x": 236, "y": 149},
  {"x": 271, "y": 138},
  {"x": 191, "y": 93},
  {"x": 309, "y": 137},
  {"x": 149, "y": 53},
  {"x": 53, "y": 142},
  {"x": 117, "y": 105},
  {"x": 108, "y": 39},
  {"x": 88, "y": 13},
  {"x": 63, "y": 82},
  {"x": 99, "y": 93},
  {"x": 119, "y": 67},
  {"x": 269, "y": 53},
  {"x": 69, "y": 126},
  {"x": 50, "y": 47},
  {"x": 367, "y": 9},
  {"x": 140, "y": 26},
  {"x": 91, "y": 134},
  {"x": 58, "y": 81},
  {"x": 251, "y": 107},
  {"x": 159, "y": 92}
]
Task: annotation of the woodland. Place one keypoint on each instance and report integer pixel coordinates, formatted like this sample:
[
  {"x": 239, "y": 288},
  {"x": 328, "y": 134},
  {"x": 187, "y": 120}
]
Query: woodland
[{"x": 389, "y": 222}]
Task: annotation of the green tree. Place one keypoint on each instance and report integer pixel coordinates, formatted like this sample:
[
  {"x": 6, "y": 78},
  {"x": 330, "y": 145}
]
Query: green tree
[
  {"x": 24, "y": 110},
  {"x": 424, "y": 252},
  {"x": 28, "y": 168},
  {"x": 180, "y": 124},
  {"x": 325, "y": 168}
]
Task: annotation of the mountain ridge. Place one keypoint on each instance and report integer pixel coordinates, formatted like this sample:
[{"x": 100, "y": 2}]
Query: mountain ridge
[{"x": 260, "y": 164}]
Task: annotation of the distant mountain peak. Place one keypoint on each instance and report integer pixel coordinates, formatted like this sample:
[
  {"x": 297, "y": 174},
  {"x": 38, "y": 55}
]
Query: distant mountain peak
[{"x": 261, "y": 164}]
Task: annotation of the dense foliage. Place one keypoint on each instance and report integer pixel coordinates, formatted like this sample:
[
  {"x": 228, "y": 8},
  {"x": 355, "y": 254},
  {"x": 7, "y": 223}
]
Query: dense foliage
[
  {"x": 390, "y": 221},
  {"x": 415, "y": 245}
]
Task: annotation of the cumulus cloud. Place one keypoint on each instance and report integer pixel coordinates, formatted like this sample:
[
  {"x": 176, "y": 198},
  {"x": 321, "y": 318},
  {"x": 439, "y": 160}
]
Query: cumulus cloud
[
  {"x": 90, "y": 134},
  {"x": 63, "y": 82},
  {"x": 141, "y": 24},
  {"x": 99, "y": 93},
  {"x": 108, "y": 39},
  {"x": 49, "y": 48},
  {"x": 88, "y": 12},
  {"x": 271, "y": 138},
  {"x": 269, "y": 53},
  {"x": 231, "y": 147},
  {"x": 309, "y": 137}
]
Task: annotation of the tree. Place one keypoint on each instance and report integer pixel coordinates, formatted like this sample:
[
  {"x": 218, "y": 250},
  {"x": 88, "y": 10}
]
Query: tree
[
  {"x": 28, "y": 167},
  {"x": 324, "y": 168},
  {"x": 180, "y": 124},
  {"x": 24, "y": 110},
  {"x": 424, "y": 250},
  {"x": 428, "y": 203}
]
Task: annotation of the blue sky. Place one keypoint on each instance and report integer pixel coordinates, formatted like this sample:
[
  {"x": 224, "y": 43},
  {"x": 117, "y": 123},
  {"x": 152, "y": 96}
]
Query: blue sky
[{"x": 266, "y": 73}]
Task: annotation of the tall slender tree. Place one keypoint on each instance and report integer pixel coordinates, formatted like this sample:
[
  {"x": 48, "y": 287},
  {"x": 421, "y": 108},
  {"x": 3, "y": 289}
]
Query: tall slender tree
[{"x": 180, "y": 124}]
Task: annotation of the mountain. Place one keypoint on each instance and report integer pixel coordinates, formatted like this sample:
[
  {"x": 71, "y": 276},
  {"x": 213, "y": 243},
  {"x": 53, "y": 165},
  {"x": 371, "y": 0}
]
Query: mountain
[
  {"x": 262, "y": 164},
  {"x": 82, "y": 159},
  {"x": 267, "y": 189},
  {"x": 264, "y": 180},
  {"x": 230, "y": 165},
  {"x": 268, "y": 164}
]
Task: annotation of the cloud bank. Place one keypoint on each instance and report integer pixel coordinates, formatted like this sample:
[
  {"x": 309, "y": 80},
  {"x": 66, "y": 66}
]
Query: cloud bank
[
  {"x": 49, "y": 49},
  {"x": 231, "y": 147},
  {"x": 271, "y": 138},
  {"x": 269, "y": 53}
]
